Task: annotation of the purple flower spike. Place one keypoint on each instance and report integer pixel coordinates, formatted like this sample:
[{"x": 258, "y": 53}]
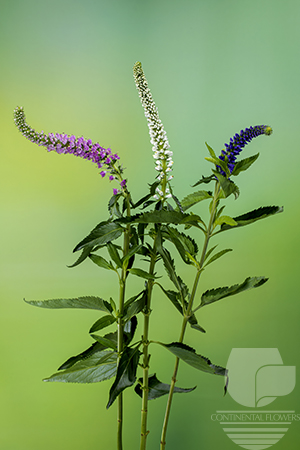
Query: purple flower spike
[
  {"x": 238, "y": 142},
  {"x": 62, "y": 143},
  {"x": 123, "y": 183},
  {"x": 116, "y": 191}
]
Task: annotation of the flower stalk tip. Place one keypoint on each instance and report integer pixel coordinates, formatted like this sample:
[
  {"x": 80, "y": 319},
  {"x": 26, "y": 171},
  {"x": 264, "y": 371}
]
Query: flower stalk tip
[{"x": 158, "y": 137}]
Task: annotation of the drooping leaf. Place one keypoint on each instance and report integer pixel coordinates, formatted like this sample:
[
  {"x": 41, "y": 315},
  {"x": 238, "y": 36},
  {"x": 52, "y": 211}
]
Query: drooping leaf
[
  {"x": 205, "y": 180},
  {"x": 244, "y": 164},
  {"x": 107, "y": 343},
  {"x": 103, "y": 322},
  {"x": 126, "y": 373},
  {"x": 213, "y": 295},
  {"x": 100, "y": 261},
  {"x": 104, "y": 232},
  {"x": 99, "y": 366},
  {"x": 253, "y": 216},
  {"x": 142, "y": 274},
  {"x": 157, "y": 388},
  {"x": 189, "y": 355},
  {"x": 194, "y": 198},
  {"x": 218, "y": 255},
  {"x": 88, "y": 302},
  {"x": 175, "y": 298}
]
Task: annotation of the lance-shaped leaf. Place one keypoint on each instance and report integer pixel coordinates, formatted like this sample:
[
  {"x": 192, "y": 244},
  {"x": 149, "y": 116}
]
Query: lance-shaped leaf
[
  {"x": 218, "y": 255},
  {"x": 214, "y": 295},
  {"x": 104, "y": 232},
  {"x": 175, "y": 298},
  {"x": 114, "y": 254},
  {"x": 161, "y": 216},
  {"x": 244, "y": 164},
  {"x": 205, "y": 180},
  {"x": 228, "y": 186},
  {"x": 135, "y": 307},
  {"x": 101, "y": 323},
  {"x": 113, "y": 206},
  {"x": 194, "y": 198},
  {"x": 253, "y": 216},
  {"x": 107, "y": 343},
  {"x": 184, "y": 243},
  {"x": 88, "y": 302},
  {"x": 84, "y": 254},
  {"x": 157, "y": 388},
  {"x": 126, "y": 373},
  {"x": 189, "y": 355},
  {"x": 142, "y": 274},
  {"x": 98, "y": 367},
  {"x": 101, "y": 262}
]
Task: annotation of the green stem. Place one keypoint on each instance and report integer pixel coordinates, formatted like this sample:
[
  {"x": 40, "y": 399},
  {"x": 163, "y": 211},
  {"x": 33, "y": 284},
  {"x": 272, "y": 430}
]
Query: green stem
[
  {"x": 121, "y": 323},
  {"x": 146, "y": 356},
  {"x": 188, "y": 312}
]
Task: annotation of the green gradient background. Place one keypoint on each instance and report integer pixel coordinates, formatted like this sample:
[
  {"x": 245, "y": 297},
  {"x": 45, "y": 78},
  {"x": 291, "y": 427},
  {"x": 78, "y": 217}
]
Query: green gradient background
[{"x": 214, "y": 67}]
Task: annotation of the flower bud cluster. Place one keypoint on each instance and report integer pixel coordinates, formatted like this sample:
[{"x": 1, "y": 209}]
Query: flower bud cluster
[
  {"x": 238, "y": 142},
  {"x": 158, "y": 136},
  {"x": 62, "y": 143}
]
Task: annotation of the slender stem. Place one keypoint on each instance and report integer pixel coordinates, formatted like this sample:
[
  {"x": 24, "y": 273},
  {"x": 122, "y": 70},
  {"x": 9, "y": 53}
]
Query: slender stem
[
  {"x": 188, "y": 312},
  {"x": 146, "y": 356},
  {"x": 121, "y": 325}
]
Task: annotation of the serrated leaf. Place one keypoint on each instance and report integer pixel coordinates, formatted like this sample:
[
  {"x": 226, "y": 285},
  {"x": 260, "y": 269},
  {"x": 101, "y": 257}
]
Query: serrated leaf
[
  {"x": 205, "y": 180},
  {"x": 228, "y": 186},
  {"x": 253, "y": 216},
  {"x": 100, "y": 261},
  {"x": 142, "y": 274},
  {"x": 107, "y": 343},
  {"x": 226, "y": 219},
  {"x": 244, "y": 164},
  {"x": 184, "y": 243},
  {"x": 157, "y": 388},
  {"x": 126, "y": 373},
  {"x": 88, "y": 302},
  {"x": 101, "y": 323},
  {"x": 161, "y": 216},
  {"x": 98, "y": 367},
  {"x": 104, "y": 232},
  {"x": 218, "y": 255},
  {"x": 194, "y": 198},
  {"x": 214, "y": 295},
  {"x": 114, "y": 254},
  {"x": 189, "y": 356}
]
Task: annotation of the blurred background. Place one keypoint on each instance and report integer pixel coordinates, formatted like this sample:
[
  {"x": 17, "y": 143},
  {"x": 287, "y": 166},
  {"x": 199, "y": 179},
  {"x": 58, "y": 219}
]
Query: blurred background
[{"x": 214, "y": 67}]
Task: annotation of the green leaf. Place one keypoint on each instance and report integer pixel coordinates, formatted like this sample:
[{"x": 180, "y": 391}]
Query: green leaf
[
  {"x": 131, "y": 252},
  {"x": 161, "y": 216},
  {"x": 205, "y": 180},
  {"x": 100, "y": 261},
  {"x": 253, "y": 216},
  {"x": 98, "y": 367},
  {"x": 189, "y": 356},
  {"x": 104, "y": 232},
  {"x": 218, "y": 255},
  {"x": 228, "y": 186},
  {"x": 244, "y": 164},
  {"x": 211, "y": 151},
  {"x": 194, "y": 198},
  {"x": 225, "y": 219},
  {"x": 135, "y": 307},
  {"x": 157, "y": 388},
  {"x": 175, "y": 298},
  {"x": 184, "y": 243},
  {"x": 114, "y": 254},
  {"x": 103, "y": 322},
  {"x": 214, "y": 295},
  {"x": 126, "y": 373},
  {"x": 142, "y": 274},
  {"x": 85, "y": 253},
  {"x": 79, "y": 302},
  {"x": 108, "y": 343},
  {"x": 113, "y": 206}
]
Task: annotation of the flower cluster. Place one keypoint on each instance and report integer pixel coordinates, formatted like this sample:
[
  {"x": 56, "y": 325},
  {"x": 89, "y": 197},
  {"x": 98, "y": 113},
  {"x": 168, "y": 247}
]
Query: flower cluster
[
  {"x": 62, "y": 143},
  {"x": 238, "y": 142},
  {"x": 159, "y": 140}
]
